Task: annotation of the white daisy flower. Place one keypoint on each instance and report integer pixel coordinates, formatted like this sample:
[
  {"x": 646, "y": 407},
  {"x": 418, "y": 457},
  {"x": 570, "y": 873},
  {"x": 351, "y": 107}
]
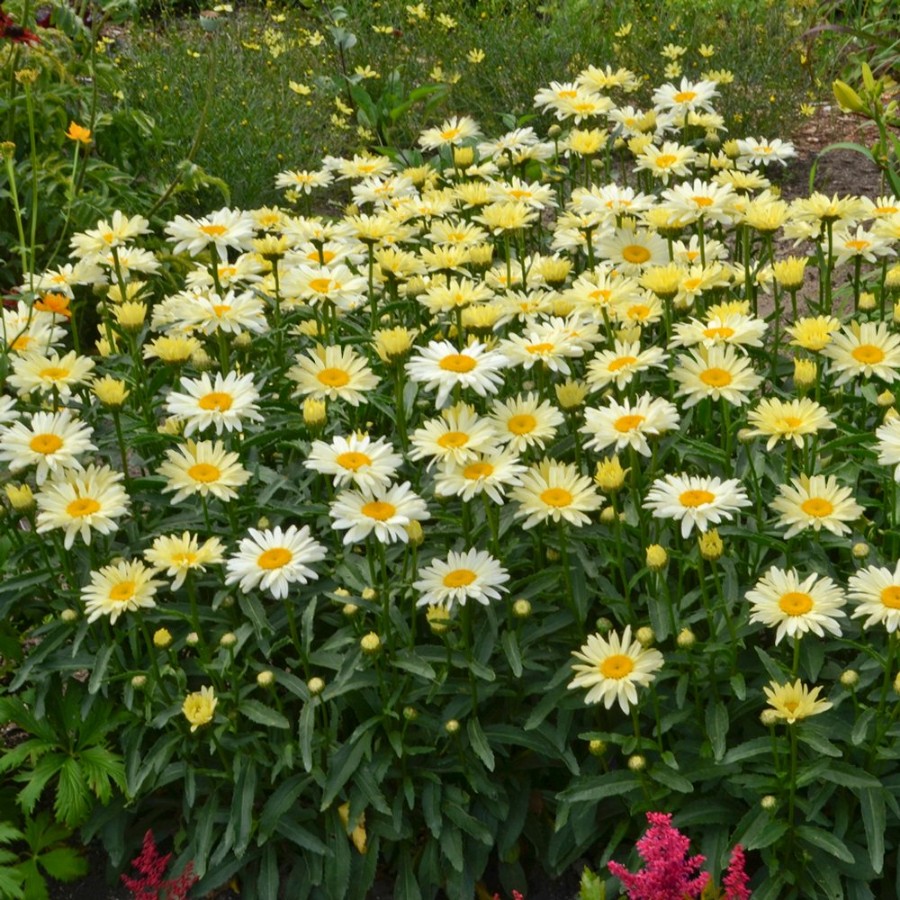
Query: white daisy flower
[{"x": 473, "y": 575}]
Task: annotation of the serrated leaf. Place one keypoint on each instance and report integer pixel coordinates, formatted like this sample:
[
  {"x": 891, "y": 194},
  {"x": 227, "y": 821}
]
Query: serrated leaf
[
  {"x": 64, "y": 863},
  {"x": 611, "y": 784},
  {"x": 871, "y": 802},
  {"x": 480, "y": 744},
  {"x": 263, "y": 715},
  {"x": 717, "y": 728},
  {"x": 100, "y": 665},
  {"x": 510, "y": 644},
  {"x": 671, "y": 779},
  {"x": 824, "y": 840},
  {"x": 342, "y": 766}
]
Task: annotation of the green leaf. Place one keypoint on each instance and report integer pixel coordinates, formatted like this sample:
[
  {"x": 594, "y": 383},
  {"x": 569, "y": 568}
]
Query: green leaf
[
  {"x": 510, "y": 645},
  {"x": 849, "y": 776},
  {"x": 717, "y": 728},
  {"x": 267, "y": 883},
  {"x": 611, "y": 784},
  {"x": 871, "y": 802},
  {"x": 431, "y": 808},
  {"x": 302, "y": 837},
  {"x": 406, "y": 885},
  {"x": 748, "y": 750},
  {"x": 282, "y": 800},
  {"x": 263, "y": 715},
  {"x": 305, "y": 734},
  {"x": 72, "y": 803},
  {"x": 11, "y": 881},
  {"x": 100, "y": 665},
  {"x": 343, "y": 764},
  {"x": 480, "y": 744},
  {"x": 861, "y": 727},
  {"x": 758, "y": 830},
  {"x": 824, "y": 840},
  {"x": 671, "y": 779},
  {"x": 64, "y": 863}
]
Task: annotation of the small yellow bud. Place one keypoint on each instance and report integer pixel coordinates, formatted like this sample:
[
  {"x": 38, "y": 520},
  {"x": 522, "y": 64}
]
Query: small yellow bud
[
  {"x": 138, "y": 681},
  {"x": 847, "y": 98},
  {"x": 571, "y": 394},
  {"x": 867, "y": 301},
  {"x": 162, "y": 638},
  {"x": 711, "y": 545},
  {"x": 463, "y": 157},
  {"x": 410, "y": 713},
  {"x": 805, "y": 374},
  {"x": 608, "y": 515},
  {"x": 885, "y": 398},
  {"x": 416, "y": 533},
  {"x": 313, "y": 412},
  {"x": 228, "y": 640},
  {"x": 265, "y": 679},
  {"x": 370, "y": 643},
  {"x": 349, "y": 610},
  {"x": 20, "y": 496},
  {"x": 69, "y": 616},
  {"x": 656, "y": 557},
  {"x": 637, "y": 762},
  {"x": 597, "y": 747},
  {"x": 686, "y": 639},
  {"x": 369, "y": 594},
  {"x": 645, "y": 636},
  {"x": 610, "y": 476},
  {"x": 769, "y": 802},
  {"x": 451, "y": 726},
  {"x": 768, "y": 717},
  {"x": 192, "y": 639},
  {"x": 110, "y": 391},
  {"x": 522, "y": 608},
  {"x": 849, "y": 678},
  {"x": 860, "y": 550},
  {"x": 316, "y": 686},
  {"x": 438, "y": 619}
]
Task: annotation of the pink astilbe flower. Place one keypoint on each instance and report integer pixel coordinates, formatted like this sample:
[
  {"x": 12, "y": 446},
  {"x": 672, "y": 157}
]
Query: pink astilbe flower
[
  {"x": 153, "y": 885},
  {"x": 735, "y": 880},
  {"x": 669, "y": 873}
]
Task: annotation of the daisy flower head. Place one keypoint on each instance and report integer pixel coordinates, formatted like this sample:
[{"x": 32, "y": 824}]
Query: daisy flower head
[
  {"x": 472, "y": 575},
  {"x": 82, "y": 502},
  {"x": 205, "y": 468},
  {"x": 715, "y": 372},
  {"x": 557, "y": 491},
  {"x": 489, "y": 473},
  {"x": 37, "y": 372},
  {"x": 697, "y": 501},
  {"x": 456, "y": 436},
  {"x": 274, "y": 559},
  {"x": 629, "y": 424},
  {"x": 547, "y": 343},
  {"x": 525, "y": 421},
  {"x": 210, "y": 313},
  {"x": 864, "y": 349},
  {"x": 665, "y": 162},
  {"x": 813, "y": 333},
  {"x": 50, "y": 441},
  {"x": 335, "y": 373},
  {"x": 612, "y": 668},
  {"x": 787, "y": 420},
  {"x": 735, "y": 329},
  {"x": 224, "y": 229},
  {"x": 633, "y": 249},
  {"x": 888, "y": 437},
  {"x": 850, "y": 245},
  {"x": 119, "y": 588},
  {"x": 223, "y": 402},
  {"x": 815, "y": 502},
  {"x": 440, "y": 365},
  {"x": 384, "y": 512},
  {"x": 199, "y": 707},
  {"x": 760, "y": 152},
  {"x": 794, "y": 701},
  {"x": 687, "y": 97},
  {"x": 178, "y": 555},
  {"x": 780, "y": 600},
  {"x": 619, "y": 365},
  {"x": 875, "y": 591},
  {"x": 356, "y": 460},
  {"x": 454, "y": 130}
]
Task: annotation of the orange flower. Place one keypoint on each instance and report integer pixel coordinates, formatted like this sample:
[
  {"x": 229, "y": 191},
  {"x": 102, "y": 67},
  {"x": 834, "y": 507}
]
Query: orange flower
[
  {"x": 78, "y": 133},
  {"x": 54, "y": 303}
]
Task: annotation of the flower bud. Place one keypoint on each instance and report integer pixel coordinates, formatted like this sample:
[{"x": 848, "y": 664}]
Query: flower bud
[
  {"x": 656, "y": 557},
  {"x": 597, "y": 747},
  {"x": 686, "y": 639},
  {"x": 265, "y": 678},
  {"x": 860, "y": 550},
  {"x": 349, "y": 610},
  {"x": 768, "y": 717},
  {"x": 369, "y": 594},
  {"x": 138, "y": 681},
  {"x": 885, "y": 398},
  {"x": 637, "y": 762},
  {"x": 69, "y": 616},
  {"x": 610, "y": 476},
  {"x": 608, "y": 515},
  {"x": 604, "y": 626},
  {"x": 805, "y": 374},
  {"x": 228, "y": 640},
  {"x": 410, "y": 713},
  {"x": 313, "y": 412},
  {"x": 20, "y": 496},
  {"x": 769, "y": 802},
  {"x": 645, "y": 636},
  {"x": 192, "y": 639},
  {"x": 451, "y": 726},
  {"x": 370, "y": 643},
  {"x": 315, "y": 685},
  {"x": 416, "y": 533},
  {"x": 438, "y": 619},
  {"x": 867, "y": 301},
  {"x": 711, "y": 545},
  {"x": 849, "y": 678},
  {"x": 521, "y": 608},
  {"x": 162, "y": 638}
]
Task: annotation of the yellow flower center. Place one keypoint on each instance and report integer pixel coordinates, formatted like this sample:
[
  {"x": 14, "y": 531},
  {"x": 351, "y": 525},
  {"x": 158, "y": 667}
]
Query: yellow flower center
[
  {"x": 617, "y": 666},
  {"x": 638, "y": 311},
  {"x": 885, "y": 210},
  {"x": 478, "y": 470},
  {"x": 664, "y": 160},
  {"x": 378, "y": 509},
  {"x": 696, "y": 498},
  {"x": 715, "y": 377},
  {"x": 449, "y": 133},
  {"x": 568, "y": 94},
  {"x": 459, "y": 578},
  {"x": 221, "y": 309},
  {"x": 890, "y": 597},
  {"x": 545, "y": 347},
  {"x": 789, "y": 423},
  {"x": 557, "y": 497},
  {"x": 723, "y": 332},
  {"x": 353, "y": 460},
  {"x": 215, "y": 400},
  {"x": 691, "y": 284},
  {"x": 185, "y": 558},
  {"x": 45, "y": 443},
  {"x": 320, "y": 285},
  {"x": 453, "y": 440},
  {"x": 702, "y": 202},
  {"x": 684, "y": 96},
  {"x": 621, "y": 362},
  {"x": 204, "y": 472},
  {"x": 524, "y": 423},
  {"x": 518, "y": 193},
  {"x": 635, "y": 254},
  {"x": 817, "y": 507},
  {"x": 122, "y": 592},
  {"x": 795, "y": 603},
  {"x": 628, "y": 423},
  {"x": 867, "y": 354},
  {"x": 53, "y": 373},
  {"x": 83, "y": 506},
  {"x": 274, "y": 558},
  {"x": 213, "y": 230},
  {"x": 457, "y": 362},
  {"x": 857, "y": 244},
  {"x": 21, "y": 343},
  {"x": 600, "y": 294},
  {"x": 333, "y": 378}
]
